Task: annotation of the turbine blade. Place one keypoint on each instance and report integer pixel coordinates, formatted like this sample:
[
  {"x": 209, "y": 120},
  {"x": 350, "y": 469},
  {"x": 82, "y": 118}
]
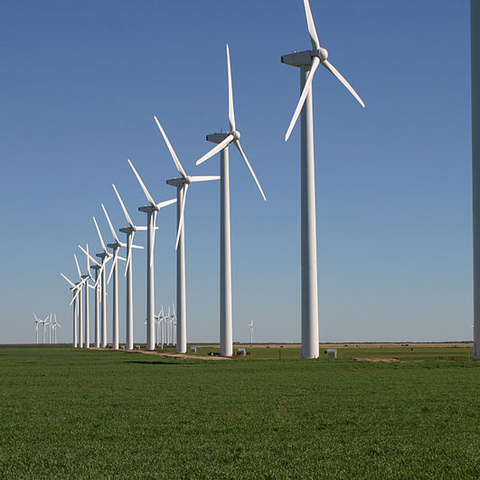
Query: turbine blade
[
  {"x": 306, "y": 89},
  {"x": 100, "y": 236},
  {"x": 129, "y": 253},
  {"x": 127, "y": 263},
  {"x": 216, "y": 149},
  {"x": 182, "y": 212},
  {"x": 78, "y": 266},
  {"x": 88, "y": 260},
  {"x": 165, "y": 203},
  {"x": 311, "y": 26},
  {"x": 144, "y": 188},
  {"x": 74, "y": 297},
  {"x": 231, "y": 111},
  {"x": 203, "y": 178},
  {"x": 115, "y": 257},
  {"x": 110, "y": 224},
  {"x": 172, "y": 151},
  {"x": 340, "y": 77},
  {"x": 88, "y": 255},
  {"x": 127, "y": 216},
  {"x": 242, "y": 153},
  {"x": 68, "y": 280}
]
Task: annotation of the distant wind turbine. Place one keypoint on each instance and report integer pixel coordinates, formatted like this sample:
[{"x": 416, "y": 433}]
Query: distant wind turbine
[
  {"x": 151, "y": 211},
  {"x": 130, "y": 232}
]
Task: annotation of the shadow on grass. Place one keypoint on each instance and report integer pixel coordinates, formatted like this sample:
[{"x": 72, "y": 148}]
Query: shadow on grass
[{"x": 163, "y": 362}]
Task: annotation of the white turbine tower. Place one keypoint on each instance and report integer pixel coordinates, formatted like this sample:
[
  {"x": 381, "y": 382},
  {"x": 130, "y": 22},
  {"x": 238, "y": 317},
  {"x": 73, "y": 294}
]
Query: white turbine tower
[
  {"x": 115, "y": 246},
  {"x": 182, "y": 185},
  {"x": 475, "y": 73},
  {"x": 105, "y": 256},
  {"x": 308, "y": 61},
  {"x": 151, "y": 211},
  {"x": 224, "y": 140},
  {"x": 130, "y": 232},
  {"x": 250, "y": 327}
]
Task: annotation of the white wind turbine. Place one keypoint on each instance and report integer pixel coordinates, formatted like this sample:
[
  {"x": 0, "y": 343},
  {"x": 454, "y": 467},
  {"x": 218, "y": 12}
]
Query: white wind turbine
[
  {"x": 48, "y": 324},
  {"x": 75, "y": 289},
  {"x": 130, "y": 232},
  {"x": 151, "y": 211},
  {"x": 167, "y": 325},
  {"x": 182, "y": 185},
  {"x": 105, "y": 256},
  {"x": 308, "y": 61},
  {"x": 115, "y": 246},
  {"x": 99, "y": 269},
  {"x": 172, "y": 317},
  {"x": 55, "y": 325},
  {"x": 224, "y": 140},
  {"x": 45, "y": 324},
  {"x": 159, "y": 324},
  {"x": 250, "y": 327},
  {"x": 87, "y": 277},
  {"x": 37, "y": 322},
  {"x": 80, "y": 306}
]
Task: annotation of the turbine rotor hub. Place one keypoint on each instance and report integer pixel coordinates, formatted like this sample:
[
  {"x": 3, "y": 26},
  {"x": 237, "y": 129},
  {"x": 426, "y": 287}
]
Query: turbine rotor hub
[
  {"x": 236, "y": 134},
  {"x": 322, "y": 54}
]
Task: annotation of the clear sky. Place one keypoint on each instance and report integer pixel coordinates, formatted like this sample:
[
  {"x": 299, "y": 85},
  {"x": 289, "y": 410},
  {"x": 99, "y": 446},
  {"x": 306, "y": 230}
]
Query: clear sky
[{"x": 81, "y": 81}]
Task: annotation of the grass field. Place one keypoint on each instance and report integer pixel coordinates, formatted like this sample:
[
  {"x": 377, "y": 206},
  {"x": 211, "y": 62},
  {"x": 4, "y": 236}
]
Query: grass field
[{"x": 68, "y": 413}]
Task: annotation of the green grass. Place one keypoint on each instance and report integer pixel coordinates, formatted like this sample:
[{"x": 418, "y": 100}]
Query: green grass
[{"x": 79, "y": 414}]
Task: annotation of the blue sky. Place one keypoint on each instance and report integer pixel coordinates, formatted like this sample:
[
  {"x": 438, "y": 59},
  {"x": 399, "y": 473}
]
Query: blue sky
[{"x": 82, "y": 81}]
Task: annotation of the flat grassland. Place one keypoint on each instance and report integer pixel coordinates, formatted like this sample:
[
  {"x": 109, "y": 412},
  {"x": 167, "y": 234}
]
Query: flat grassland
[{"x": 68, "y": 413}]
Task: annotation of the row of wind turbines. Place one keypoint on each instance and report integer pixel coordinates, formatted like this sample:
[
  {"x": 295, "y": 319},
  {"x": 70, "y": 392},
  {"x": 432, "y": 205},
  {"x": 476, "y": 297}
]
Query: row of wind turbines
[
  {"x": 49, "y": 324},
  {"x": 308, "y": 61}
]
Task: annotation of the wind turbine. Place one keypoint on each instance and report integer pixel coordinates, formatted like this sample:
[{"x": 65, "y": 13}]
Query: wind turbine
[
  {"x": 98, "y": 268},
  {"x": 223, "y": 140},
  {"x": 75, "y": 289},
  {"x": 167, "y": 325},
  {"x": 80, "y": 307},
  {"x": 48, "y": 324},
  {"x": 475, "y": 73},
  {"x": 105, "y": 256},
  {"x": 115, "y": 246},
  {"x": 130, "y": 232},
  {"x": 55, "y": 325},
  {"x": 250, "y": 327},
  {"x": 87, "y": 277},
  {"x": 37, "y": 322},
  {"x": 309, "y": 61},
  {"x": 151, "y": 211},
  {"x": 159, "y": 323},
  {"x": 182, "y": 185},
  {"x": 45, "y": 324}
]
